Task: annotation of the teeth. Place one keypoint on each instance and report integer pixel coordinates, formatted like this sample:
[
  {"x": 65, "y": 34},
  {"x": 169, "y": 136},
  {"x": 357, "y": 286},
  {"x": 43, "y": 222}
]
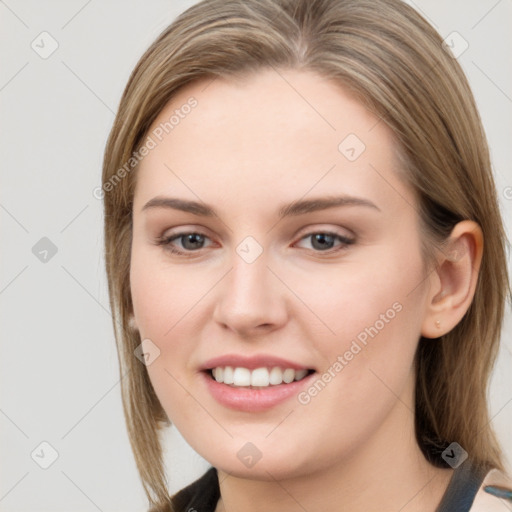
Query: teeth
[
  {"x": 288, "y": 375},
  {"x": 218, "y": 374},
  {"x": 241, "y": 377},
  {"x": 228, "y": 375},
  {"x": 300, "y": 374},
  {"x": 260, "y": 377},
  {"x": 276, "y": 376}
]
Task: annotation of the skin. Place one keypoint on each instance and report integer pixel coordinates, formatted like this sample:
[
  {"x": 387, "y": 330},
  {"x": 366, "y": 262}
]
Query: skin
[{"x": 250, "y": 146}]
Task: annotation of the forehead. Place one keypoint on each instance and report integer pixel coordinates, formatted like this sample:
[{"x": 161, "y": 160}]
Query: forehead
[{"x": 274, "y": 134}]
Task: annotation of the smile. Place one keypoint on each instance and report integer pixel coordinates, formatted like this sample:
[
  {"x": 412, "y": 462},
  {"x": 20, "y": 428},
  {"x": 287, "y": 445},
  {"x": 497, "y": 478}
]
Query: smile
[{"x": 258, "y": 377}]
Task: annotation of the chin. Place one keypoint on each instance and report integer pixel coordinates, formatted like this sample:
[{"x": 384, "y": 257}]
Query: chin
[
  {"x": 269, "y": 470},
  {"x": 264, "y": 461}
]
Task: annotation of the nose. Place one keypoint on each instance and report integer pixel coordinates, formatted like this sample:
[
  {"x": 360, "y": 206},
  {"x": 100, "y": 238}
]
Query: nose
[{"x": 251, "y": 299}]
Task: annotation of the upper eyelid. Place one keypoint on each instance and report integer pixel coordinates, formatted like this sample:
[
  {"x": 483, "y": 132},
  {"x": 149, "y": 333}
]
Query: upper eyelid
[
  {"x": 300, "y": 236},
  {"x": 313, "y": 228}
]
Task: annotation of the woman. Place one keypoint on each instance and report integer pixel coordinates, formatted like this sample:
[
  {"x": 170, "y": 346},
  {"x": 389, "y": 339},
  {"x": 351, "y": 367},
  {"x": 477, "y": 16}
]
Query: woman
[{"x": 304, "y": 250}]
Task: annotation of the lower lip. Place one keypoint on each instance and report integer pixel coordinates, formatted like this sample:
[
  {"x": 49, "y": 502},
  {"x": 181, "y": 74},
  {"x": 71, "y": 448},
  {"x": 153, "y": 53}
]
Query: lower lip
[{"x": 253, "y": 400}]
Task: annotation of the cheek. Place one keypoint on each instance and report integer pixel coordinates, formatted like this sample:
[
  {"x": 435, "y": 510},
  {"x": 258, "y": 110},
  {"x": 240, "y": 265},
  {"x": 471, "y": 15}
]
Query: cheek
[
  {"x": 163, "y": 299},
  {"x": 171, "y": 307},
  {"x": 368, "y": 362},
  {"x": 163, "y": 295},
  {"x": 374, "y": 315},
  {"x": 351, "y": 297}
]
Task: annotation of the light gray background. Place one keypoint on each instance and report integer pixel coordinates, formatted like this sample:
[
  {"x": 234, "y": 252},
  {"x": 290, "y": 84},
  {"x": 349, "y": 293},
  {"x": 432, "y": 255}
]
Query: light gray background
[{"x": 59, "y": 374}]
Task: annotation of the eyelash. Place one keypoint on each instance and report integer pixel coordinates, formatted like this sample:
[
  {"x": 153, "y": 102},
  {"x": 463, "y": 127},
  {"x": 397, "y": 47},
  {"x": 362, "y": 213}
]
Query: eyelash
[{"x": 165, "y": 241}]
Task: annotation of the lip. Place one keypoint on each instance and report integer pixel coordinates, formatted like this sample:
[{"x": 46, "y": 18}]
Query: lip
[
  {"x": 250, "y": 399},
  {"x": 252, "y": 362}
]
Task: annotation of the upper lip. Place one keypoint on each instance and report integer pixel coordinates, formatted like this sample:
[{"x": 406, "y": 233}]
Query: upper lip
[{"x": 252, "y": 362}]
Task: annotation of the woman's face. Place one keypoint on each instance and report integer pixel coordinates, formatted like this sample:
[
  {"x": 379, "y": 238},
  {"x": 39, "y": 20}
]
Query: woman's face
[{"x": 274, "y": 280}]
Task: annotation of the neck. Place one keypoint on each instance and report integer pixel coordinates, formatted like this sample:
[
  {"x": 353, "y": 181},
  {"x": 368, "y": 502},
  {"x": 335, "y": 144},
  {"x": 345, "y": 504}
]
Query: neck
[{"x": 389, "y": 472}]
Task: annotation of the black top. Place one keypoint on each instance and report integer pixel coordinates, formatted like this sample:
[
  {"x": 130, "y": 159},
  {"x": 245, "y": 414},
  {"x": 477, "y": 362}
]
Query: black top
[{"x": 203, "y": 494}]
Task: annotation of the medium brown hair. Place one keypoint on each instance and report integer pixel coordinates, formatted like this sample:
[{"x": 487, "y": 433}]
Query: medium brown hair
[{"x": 390, "y": 57}]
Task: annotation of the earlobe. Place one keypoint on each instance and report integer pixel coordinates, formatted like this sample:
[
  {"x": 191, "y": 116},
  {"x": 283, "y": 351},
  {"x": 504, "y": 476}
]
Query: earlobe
[{"x": 454, "y": 280}]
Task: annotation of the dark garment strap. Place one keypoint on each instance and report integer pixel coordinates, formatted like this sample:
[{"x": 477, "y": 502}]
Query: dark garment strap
[
  {"x": 463, "y": 487},
  {"x": 200, "y": 496}
]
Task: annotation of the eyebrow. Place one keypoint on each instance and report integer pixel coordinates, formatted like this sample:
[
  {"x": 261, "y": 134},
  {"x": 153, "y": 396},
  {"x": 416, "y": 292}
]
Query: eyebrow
[{"x": 293, "y": 209}]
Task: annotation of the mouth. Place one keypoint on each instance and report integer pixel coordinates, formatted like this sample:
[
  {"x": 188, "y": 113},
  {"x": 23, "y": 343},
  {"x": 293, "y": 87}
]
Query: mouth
[{"x": 258, "y": 378}]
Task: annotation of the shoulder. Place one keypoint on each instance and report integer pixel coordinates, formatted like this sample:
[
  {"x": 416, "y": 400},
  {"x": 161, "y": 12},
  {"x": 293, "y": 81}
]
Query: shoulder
[{"x": 485, "y": 502}]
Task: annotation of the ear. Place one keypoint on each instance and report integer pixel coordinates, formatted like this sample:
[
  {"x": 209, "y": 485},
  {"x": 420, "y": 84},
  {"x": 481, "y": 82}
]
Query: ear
[{"x": 453, "y": 282}]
